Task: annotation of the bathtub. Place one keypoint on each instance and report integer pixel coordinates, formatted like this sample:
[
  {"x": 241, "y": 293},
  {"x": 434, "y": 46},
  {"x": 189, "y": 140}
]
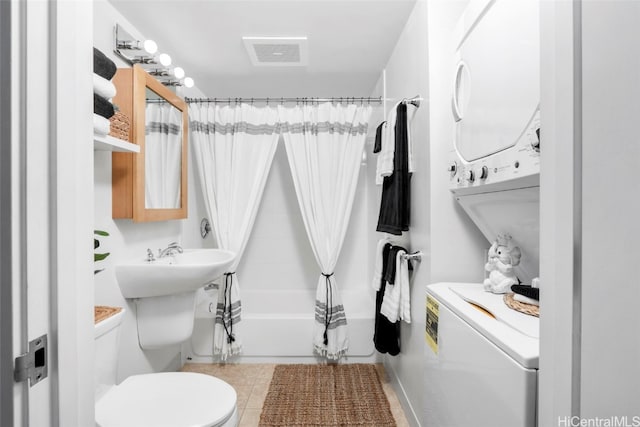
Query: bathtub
[{"x": 279, "y": 324}]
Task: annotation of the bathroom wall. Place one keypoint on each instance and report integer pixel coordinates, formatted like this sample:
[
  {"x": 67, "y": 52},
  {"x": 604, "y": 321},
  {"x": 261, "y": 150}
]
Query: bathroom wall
[
  {"x": 422, "y": 63},
  {"x": 407, "y": 76},
  {"x": 458, "y": 247},
  {"x": 127, "y": 239}
]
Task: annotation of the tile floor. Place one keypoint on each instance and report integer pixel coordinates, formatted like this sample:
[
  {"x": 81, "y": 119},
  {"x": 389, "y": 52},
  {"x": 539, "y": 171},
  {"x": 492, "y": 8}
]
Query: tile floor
[{"x": 251, "y": 382}]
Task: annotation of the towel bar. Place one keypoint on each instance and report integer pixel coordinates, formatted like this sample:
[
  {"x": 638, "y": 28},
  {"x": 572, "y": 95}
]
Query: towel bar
[{"x": 417, "y": 256}]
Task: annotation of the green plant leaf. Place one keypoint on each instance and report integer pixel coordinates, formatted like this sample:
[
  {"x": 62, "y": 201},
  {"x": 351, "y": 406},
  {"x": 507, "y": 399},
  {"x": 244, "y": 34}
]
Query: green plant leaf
[
  {"x": 100, "y": 233},
  {"x": 100, "y": 257}
]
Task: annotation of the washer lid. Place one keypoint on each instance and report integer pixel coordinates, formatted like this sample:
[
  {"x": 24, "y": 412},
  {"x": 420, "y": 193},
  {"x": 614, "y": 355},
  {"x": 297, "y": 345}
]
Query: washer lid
[
  {"x": 166, "y": 400},
  {"x": 515, "y": 333}
]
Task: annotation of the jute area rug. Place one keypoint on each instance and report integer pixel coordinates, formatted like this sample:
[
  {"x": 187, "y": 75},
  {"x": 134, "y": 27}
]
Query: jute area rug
[{"x": 327, "y": 396}]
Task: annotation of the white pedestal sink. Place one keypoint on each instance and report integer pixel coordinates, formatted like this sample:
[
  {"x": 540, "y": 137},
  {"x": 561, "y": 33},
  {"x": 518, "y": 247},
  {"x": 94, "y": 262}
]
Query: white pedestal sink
[{"x": 164, "y": 292}]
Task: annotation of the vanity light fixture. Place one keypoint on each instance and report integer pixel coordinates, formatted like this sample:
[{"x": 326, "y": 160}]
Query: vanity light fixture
[
  {"x": 134, "y": 51},
  {"x": 159, "y": 72},
  {"x": 149, "y": 46},
  {"x": 186, "y": 82}
]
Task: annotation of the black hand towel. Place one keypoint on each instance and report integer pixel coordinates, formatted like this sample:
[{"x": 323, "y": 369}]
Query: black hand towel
[
  {"x": 386, "y": 335},
  {"x": 395, "y": 206},
  {"x": 102, "y": 107},
  {"x": 377, "y": 146},
  {"x": 390, "y": 271},
  {"x": 103, "y": 66}
]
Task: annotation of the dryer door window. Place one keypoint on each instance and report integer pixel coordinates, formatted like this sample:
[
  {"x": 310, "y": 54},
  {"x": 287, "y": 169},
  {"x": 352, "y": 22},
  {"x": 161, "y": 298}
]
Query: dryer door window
[{"x": 497, "y": 81}]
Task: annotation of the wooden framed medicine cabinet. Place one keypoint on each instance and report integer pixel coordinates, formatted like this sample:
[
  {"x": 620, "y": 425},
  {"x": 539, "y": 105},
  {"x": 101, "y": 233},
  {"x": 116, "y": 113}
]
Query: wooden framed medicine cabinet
[{"x": 141, "y": 181}]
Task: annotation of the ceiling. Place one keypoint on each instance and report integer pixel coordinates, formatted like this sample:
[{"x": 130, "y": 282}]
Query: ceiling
[{"x": 349, "y": 42}]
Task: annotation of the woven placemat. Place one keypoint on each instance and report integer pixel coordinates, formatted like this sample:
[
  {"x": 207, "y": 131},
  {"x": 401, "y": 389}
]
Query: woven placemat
[
  {"x": 522, "y": 307},
  {"x": 101, "y": 312},
  {"x": 327, "y": 396}
]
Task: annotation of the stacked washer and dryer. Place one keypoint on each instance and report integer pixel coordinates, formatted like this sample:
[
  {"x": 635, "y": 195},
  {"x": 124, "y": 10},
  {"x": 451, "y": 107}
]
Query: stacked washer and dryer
[{"x": 482, "y": 356}]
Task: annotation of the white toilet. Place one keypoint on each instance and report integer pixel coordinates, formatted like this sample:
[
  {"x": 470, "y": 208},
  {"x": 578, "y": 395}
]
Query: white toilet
[{"x": 170, "y": 399}]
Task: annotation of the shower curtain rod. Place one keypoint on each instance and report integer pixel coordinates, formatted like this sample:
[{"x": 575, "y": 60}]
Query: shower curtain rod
[{"x": 414, "y": 101}]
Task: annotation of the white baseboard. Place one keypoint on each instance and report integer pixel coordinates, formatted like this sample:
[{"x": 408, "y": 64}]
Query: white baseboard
[{"x": 409, "y": 412}]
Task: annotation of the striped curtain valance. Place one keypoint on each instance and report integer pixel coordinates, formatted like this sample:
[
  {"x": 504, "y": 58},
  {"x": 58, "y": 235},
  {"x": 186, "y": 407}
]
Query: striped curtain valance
[
  {"x": 324, "y": 127},
  {"x": 233, "y": 128},
  {"x": 266, "y": 129},
  {"x": 160, "y": 127}
]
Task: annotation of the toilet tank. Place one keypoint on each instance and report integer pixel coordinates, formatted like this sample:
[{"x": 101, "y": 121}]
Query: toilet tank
[{"x": 107, "y": 333}]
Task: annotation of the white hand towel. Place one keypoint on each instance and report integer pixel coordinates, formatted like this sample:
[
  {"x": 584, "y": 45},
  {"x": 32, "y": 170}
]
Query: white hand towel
[
  {"x": 103, "y": 87},
  {"x": 384, "y": 166},
  {"x": 101, "y": 126},
  {"x": 392, "y": 300},
  {"x": 405, "y": 292},
  {"x": 377, "y": 268},
  {"x": 526, "y": 300}
]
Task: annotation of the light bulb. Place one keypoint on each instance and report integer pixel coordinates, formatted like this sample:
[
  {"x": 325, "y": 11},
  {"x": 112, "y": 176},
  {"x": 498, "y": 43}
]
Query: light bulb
[
  {"x": 188, "y": 82},
  {"x": 164, "y": 59},
  {"x": 150, "y": 46},
  {"x": 178, "y": 72}
]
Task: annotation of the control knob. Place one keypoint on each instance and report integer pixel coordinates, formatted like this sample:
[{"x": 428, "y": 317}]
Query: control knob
[
  {"x": 469, "y": 175},
  {"x": 453, "y": 168},
  {"x": 484, "y": 172}
]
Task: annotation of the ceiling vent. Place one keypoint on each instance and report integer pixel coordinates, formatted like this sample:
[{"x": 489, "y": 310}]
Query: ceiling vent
[{"x": 277, "y": 51}]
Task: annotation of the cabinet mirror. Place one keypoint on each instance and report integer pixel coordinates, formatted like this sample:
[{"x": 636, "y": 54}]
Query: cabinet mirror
[{"x": 150, "y": 185}]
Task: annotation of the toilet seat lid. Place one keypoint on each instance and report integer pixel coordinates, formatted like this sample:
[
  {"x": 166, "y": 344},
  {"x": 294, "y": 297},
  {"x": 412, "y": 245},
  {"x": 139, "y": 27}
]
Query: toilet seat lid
[{"x": 169, "y": 399}]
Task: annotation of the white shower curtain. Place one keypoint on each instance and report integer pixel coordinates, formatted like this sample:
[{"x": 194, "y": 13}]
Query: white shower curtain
[
  {"x": 233, "y": 147},
  {"x": 163, "y": 155},
  {"x": 324, "y": 145}
]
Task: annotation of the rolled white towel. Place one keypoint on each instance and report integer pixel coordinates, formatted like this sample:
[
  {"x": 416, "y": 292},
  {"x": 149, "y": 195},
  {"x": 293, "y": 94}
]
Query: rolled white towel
[
  {"x": 526, "y": 300},
  {"x": 101, "y": 126},
  {"x": 103, "y": 87}
]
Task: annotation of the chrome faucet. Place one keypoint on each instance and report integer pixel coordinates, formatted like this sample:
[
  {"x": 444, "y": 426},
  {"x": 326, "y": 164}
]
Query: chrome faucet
[{"x": 170, "y": 250}]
